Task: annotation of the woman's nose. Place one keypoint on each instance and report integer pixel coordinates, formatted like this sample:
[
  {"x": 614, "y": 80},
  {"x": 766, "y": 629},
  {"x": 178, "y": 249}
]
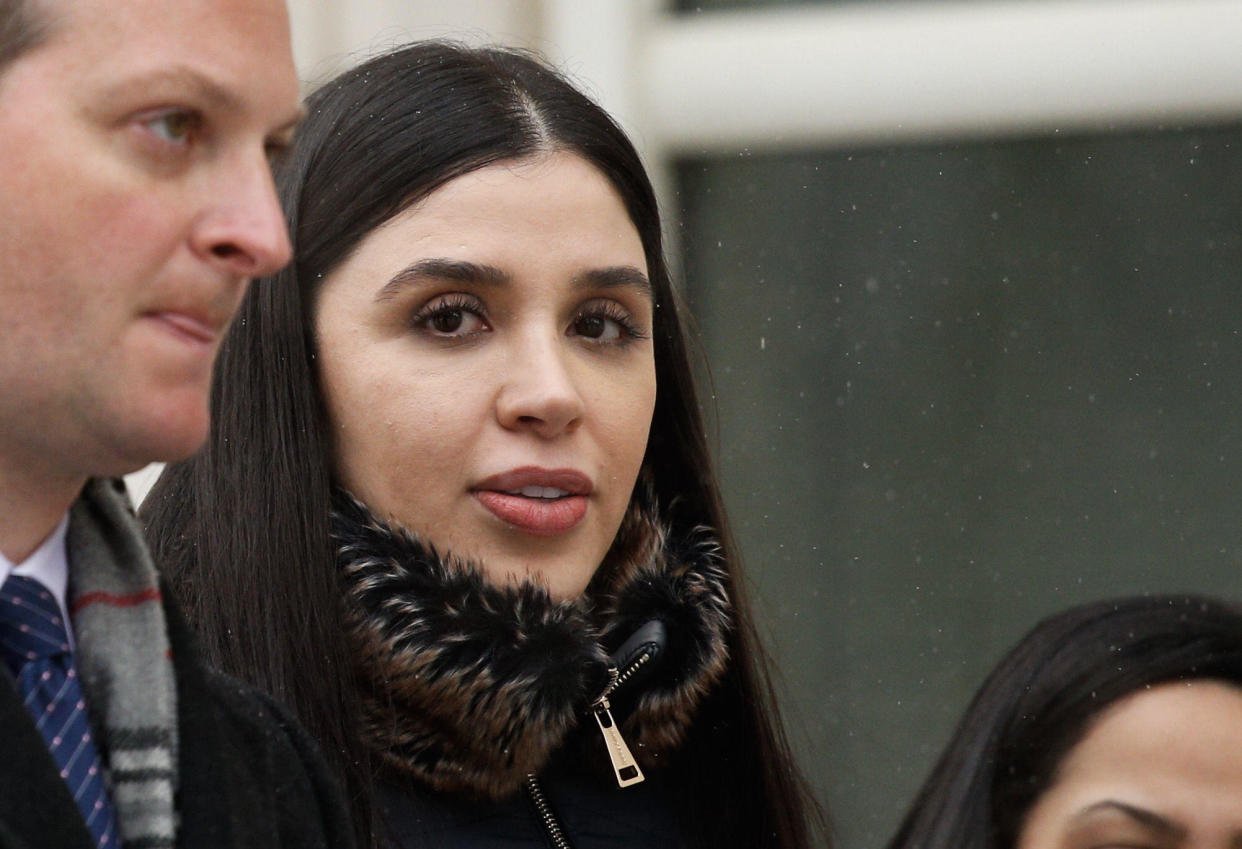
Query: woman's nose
[{"x": 540, "y": 393}]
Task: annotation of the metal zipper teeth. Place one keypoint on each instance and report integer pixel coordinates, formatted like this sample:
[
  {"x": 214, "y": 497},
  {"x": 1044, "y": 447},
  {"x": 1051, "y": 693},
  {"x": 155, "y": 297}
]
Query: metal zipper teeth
[
  {"x": 556, "y": 834},
  {"x": 630, "y": 671},
  {"x": 551, "y": 825}
]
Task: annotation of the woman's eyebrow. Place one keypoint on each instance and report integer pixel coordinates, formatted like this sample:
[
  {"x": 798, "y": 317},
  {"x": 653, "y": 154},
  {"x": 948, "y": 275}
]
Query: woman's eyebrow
[
  {"x": 1144, "y": 817},
  {"x": 613, "y": 276},
  {"x": 437, "y": 268}
]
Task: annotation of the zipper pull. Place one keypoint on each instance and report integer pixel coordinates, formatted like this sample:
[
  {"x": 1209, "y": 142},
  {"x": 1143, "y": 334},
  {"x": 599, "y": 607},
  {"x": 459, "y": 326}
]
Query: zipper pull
[{"x": 623, "y": 763}]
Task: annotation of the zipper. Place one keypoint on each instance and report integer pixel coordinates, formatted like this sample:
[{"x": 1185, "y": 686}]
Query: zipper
[
  {"x": 551, "y": 826},
  {"x": 624, "y": 767},
  {"x": 629, "y": 671}
]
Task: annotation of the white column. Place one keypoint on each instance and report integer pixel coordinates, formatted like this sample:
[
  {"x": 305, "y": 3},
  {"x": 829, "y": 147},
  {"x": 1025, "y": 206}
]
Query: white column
[
  {"x": 600, "y": 44},
  {"x": 860, "y": 72}
]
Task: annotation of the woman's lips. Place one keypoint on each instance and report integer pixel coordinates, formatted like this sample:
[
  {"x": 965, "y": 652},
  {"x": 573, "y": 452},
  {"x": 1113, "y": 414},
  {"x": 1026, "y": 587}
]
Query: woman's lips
[
  {"x": 543, "y": 502},
  {"x": 538, "y": 516}
]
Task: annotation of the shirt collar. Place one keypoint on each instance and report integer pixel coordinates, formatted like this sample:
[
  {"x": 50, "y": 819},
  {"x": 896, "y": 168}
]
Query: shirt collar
[{"x": 48, "y": 564}]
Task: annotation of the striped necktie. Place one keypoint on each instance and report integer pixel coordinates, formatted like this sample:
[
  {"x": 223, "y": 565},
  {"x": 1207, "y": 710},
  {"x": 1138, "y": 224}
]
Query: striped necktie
[{"x": 35, "y": 646}]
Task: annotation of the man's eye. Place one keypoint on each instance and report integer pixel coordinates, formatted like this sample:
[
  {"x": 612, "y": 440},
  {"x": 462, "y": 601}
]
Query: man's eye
[
  {"x": 277, "y": 153},
  {"x": 175, "y": 127}
]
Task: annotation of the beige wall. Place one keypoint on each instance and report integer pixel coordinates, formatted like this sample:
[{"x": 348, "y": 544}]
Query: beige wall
[{"x": 329, "y": 35}]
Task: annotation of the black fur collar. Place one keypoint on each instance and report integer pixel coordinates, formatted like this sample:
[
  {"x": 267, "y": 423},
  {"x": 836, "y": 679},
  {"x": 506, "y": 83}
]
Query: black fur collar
[{"x": 470, "y": 687}]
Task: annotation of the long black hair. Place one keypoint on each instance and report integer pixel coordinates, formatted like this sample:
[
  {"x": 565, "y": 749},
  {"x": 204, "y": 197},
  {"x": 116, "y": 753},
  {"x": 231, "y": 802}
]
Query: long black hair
[
  {"x": 1038, "y": 703},
  {"x": 242, "y": 528}
]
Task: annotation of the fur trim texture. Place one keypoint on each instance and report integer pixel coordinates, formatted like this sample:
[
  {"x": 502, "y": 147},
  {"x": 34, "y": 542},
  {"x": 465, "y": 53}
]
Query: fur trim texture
[{"x": 469, "y": 687}]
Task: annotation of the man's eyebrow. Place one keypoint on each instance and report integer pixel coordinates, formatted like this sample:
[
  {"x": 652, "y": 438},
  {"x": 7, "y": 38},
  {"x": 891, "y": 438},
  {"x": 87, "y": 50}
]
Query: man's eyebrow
[
  {"x": 182, "y": 78},
  {"x": 178, "y": 76},
  {"x": 614, "y": 276},
  {"x": 436, "y": 268},
  {"x": 1144, "y": 817}
]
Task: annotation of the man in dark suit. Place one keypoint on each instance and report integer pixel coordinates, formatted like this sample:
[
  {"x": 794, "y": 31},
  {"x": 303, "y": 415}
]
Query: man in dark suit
[{"x": 136, "y": 202}]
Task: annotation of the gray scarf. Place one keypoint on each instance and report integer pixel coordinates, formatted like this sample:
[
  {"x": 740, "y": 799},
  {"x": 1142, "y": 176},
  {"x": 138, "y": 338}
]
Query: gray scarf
[{"x": 125, "y": 661}]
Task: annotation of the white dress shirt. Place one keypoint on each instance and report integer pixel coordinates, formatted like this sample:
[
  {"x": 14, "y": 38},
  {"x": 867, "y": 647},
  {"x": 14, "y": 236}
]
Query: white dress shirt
[{"x": 49, "y": 565}]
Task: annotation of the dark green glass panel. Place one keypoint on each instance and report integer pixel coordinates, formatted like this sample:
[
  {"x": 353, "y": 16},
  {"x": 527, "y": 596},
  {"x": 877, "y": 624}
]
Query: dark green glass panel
[{"x": 959, "y": 388}]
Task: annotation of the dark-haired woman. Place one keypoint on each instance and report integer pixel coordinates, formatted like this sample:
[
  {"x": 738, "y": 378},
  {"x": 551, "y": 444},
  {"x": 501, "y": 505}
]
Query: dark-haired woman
[
  {"x": 1114, "y": 724},
  {"x": 456, "y": 508}
]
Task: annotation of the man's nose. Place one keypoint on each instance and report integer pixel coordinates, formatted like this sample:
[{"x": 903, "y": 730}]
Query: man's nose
[{"x": 243, "y": 231}]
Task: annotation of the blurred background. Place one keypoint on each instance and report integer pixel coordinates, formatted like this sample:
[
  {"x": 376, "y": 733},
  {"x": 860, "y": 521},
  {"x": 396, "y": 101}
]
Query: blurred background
[{"x": 966, "y": 276}]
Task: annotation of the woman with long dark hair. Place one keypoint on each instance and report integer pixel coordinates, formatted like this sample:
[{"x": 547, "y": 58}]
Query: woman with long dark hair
[
  {"x": 457, "y": 508},
  {"x": 1116, "y": 723}
]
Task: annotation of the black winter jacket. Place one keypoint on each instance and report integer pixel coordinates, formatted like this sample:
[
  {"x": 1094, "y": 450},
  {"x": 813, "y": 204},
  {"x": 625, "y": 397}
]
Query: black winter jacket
[
  {"x": 593, "y": 814},
  {"x": 470, "y": 689}
]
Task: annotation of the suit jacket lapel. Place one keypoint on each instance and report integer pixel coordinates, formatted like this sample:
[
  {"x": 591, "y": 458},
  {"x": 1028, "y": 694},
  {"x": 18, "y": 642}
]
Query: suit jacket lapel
[{"x": 36, "y": 807}]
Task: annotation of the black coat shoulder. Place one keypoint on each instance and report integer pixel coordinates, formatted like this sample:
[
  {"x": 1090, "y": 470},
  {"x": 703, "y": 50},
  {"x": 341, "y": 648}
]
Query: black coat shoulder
[{"x": 250, "y": 776}]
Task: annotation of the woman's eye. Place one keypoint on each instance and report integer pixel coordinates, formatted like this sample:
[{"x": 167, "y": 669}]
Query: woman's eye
[
  {"x": 606, "y": 322},
  {"x": 175, "y": 126},
  {"x": 451, "y": 320},
  {"x": 598, "y": 327},
  {"x": 454, "y": 321}
]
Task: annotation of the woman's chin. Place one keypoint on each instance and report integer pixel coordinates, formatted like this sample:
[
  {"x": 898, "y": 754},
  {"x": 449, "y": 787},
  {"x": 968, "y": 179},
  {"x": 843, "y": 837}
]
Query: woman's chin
[
  {"x": 559, "y": 585},
  {"x": 560, "y": 576}
]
